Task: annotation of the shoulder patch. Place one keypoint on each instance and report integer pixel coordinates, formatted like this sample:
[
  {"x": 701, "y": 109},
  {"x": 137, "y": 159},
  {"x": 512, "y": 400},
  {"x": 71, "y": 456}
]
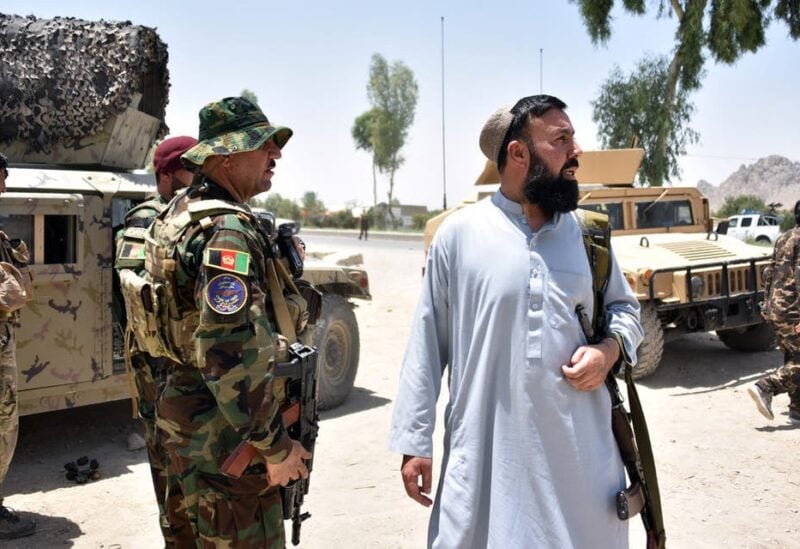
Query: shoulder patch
[
  {"x": 234, "y": 261},
  {"x": 132, "y": 250},
  {"x": 226, "y": 294}
]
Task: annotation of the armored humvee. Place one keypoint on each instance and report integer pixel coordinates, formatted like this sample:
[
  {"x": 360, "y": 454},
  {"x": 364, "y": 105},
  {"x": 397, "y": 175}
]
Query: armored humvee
[
  {"x": 75, "y": 122},
  {"x": 686, "y": 277}
]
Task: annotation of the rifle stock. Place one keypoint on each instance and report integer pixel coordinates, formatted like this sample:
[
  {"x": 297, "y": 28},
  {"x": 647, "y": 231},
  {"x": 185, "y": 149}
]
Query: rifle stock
[{"x": 241, "y": 457}]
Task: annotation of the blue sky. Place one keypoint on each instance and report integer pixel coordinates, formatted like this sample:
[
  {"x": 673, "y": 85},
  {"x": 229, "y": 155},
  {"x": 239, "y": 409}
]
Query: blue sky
[{"x": 308, "y": 62}]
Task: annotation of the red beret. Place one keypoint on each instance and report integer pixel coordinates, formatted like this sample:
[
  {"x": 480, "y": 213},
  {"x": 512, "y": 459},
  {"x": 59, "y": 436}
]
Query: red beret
[{"x": 167, "y": 158}]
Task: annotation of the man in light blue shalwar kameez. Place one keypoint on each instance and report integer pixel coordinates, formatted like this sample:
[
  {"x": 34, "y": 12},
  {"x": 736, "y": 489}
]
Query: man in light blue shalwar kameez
[{"x": 529, "y": 457}]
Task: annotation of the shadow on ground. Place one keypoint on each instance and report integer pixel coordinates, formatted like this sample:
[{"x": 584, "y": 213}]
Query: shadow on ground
[
  {"x": 48, "y": 441},
  {"x": 702, "y": 363},
  {"x": 50, "y": 532},
  {"x": 360, "y": 399}
]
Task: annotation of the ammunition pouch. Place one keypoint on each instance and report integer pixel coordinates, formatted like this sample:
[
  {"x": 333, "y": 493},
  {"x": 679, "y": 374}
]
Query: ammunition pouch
[{"x": 148, "y": 320}]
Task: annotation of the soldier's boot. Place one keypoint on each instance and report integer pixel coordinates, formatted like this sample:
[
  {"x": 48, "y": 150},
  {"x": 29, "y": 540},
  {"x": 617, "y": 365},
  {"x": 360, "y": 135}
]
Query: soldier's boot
[
  {"x": 13, "y": 526},
  {"x": 762, "y": 398}
]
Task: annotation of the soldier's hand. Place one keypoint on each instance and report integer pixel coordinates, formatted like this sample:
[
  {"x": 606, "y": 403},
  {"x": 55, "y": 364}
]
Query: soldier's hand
[
  {"x": 590, "y": 364},
  {"x": 797, "y": 329},
  {"x": 414, "y": 467},
  {"x": 291, "y": 468}
]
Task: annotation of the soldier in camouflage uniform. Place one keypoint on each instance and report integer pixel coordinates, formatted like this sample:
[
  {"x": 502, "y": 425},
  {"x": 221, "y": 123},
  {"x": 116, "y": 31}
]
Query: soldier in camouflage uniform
[
  {"x": 215, "y": 267},
  {"x": 149, "y": 372},
  {"x": 782, "y": 309},
  {"x": 12, "y": 525}
]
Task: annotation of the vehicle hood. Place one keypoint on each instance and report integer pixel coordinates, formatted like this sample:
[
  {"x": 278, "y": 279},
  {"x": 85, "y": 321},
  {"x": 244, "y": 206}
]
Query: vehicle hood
[{"x": 666, "y": 250}]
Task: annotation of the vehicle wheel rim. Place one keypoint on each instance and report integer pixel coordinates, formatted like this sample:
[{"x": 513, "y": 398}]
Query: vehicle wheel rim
[{"x": 336, "y": 352}]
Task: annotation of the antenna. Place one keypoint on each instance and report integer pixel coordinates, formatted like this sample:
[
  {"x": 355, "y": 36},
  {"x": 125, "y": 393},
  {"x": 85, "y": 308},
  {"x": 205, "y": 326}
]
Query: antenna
[
  {"x": 541, "y": 78},
  {"x": 444, "y": 171}
]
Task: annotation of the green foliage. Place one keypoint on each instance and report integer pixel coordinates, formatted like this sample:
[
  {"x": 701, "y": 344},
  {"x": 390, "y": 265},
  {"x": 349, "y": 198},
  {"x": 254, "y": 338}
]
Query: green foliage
[
  {"x": 631, "y": 106},
  {"x": 418, "y": 221},
  {"x": 735, "y": 204},
  {"x": 249, "y": 94},
  {"x": 382, "y": 131},
  {"x": 787, "y": 219},
  {"x": 313, "y": 210},
  {"x": 280, "y": 206},
  {"x": 725, "y": 29}
]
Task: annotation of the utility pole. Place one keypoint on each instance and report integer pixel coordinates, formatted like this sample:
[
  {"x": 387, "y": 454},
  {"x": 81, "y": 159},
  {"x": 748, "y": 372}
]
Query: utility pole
[
  {"x": 444, "y": 170},
  {"x": 541, "y": 79}
]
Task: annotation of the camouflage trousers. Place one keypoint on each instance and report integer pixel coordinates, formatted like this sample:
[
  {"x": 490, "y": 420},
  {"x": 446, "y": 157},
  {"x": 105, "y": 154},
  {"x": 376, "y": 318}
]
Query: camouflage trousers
[
  {"x": 243, "y": 513},
  {"x": 173, "y": 520},
  {"x": 9, "y": 414},
  {"x": 786, "y": 379}
]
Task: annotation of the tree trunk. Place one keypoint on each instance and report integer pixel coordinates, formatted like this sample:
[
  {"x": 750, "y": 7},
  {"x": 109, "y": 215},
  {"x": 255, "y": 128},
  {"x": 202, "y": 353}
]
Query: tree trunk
[
  {"x": 662, "y": 137},
  {"x": 374, "y": 184},
  {"x": 391, "y": 191}
]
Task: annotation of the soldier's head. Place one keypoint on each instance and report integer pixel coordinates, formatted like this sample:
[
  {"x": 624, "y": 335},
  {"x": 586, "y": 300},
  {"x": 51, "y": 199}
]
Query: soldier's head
[
  {"x": 238, "y": 146},
  {"x": 3, "y": 172},
  {"x": 797, "y": 213},
  {"x": 536, "y": 153},
  {"x": 171, "y": 175}
]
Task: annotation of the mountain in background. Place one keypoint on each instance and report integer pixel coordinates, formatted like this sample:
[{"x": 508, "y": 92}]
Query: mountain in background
[{"x": 773, "y": 179}]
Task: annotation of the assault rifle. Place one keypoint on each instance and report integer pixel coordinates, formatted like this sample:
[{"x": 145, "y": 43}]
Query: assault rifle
[
  {"x": 642, "y": 496},
  {"x": 302, "y": 423}
]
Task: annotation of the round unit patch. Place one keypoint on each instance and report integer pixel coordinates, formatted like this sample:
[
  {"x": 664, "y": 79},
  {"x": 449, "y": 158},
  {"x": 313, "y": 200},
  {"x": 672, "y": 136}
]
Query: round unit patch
[{"x": 226, "y": 294}]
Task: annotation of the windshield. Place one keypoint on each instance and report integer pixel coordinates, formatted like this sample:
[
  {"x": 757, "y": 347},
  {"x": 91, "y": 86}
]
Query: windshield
[
  {"x": 612, "y": 210},
  {"x": 671, "y": 213}
]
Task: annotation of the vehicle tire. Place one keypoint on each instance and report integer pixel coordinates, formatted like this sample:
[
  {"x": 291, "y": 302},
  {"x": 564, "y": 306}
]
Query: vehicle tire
[
  {"x": 763, "y": 240},
  {"x": 749, "y": 339},
  {"x": 652, "y": 346},
  {"x": 337, "y": 340}
]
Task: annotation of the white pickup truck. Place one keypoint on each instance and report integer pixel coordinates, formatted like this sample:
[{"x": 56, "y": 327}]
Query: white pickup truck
[{"x": 757, "y": 227}]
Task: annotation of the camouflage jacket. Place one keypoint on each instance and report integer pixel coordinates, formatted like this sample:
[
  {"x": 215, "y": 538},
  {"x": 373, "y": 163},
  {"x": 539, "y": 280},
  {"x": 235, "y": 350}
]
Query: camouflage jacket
[
  {"x": 15, "y": 252},
  {"x": 130, "y": 240},
  {"x": 783, "y": 285},
  {"x": 224, "y": 392}
]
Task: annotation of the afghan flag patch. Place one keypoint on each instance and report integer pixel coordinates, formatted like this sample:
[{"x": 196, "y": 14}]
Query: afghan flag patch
[
  {"x": 132, "y": 251},
  {"x": 227, "y": 260}
]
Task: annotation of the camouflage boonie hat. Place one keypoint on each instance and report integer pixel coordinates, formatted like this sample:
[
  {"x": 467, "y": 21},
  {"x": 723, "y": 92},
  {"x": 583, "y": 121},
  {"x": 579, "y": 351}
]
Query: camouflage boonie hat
[{"x": 232, "y": 125}]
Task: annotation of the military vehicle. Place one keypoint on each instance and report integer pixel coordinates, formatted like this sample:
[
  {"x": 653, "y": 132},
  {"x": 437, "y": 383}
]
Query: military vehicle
[
  {"x": 686, "y": 277},
  {"x": 83, "y": 103}
]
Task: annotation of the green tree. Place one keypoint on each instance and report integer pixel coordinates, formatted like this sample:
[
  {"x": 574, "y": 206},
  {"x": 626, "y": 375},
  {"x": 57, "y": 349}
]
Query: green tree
[
  {"x": 313, "y": 209},
  {"x": 250, "y": 95},
  {"x": 280, "y": 206},
  {"x": 628, "y": 109},
  {"x": 363, "y": 134},
  {"x": 392, "y": 92},
  {"x": 725, "y": 29},
  {"x": 735, "y": 204}
]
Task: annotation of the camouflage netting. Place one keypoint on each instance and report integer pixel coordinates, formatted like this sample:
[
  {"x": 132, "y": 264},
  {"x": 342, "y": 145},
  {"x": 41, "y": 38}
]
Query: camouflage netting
[{"x": 62, "y": 79}]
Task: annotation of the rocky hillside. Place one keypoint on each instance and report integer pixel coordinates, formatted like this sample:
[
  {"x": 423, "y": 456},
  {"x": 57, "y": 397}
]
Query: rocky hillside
[{"x": 773, "y": 178}]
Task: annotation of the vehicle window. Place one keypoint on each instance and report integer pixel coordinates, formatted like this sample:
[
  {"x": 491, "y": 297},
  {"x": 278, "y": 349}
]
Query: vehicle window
[
  {"x": 747, "y": 221},
  {"x": 59, "y": 235},
  {"x": 612, "y": 210},
  {"x": 663, "y": 214},
  {"x": 733, "y": 222},
  {"x": 19, "y": 226},
  {"x": 60, "y": 238},
  {"x": 761, "y": 222}
]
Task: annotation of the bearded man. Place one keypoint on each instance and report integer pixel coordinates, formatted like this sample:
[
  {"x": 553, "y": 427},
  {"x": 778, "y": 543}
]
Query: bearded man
[{"x": 529, "y": 456}]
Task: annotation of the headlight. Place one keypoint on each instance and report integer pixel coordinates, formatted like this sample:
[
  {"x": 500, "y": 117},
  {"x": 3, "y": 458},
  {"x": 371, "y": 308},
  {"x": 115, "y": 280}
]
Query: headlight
[{"x": 698, "y": 285}]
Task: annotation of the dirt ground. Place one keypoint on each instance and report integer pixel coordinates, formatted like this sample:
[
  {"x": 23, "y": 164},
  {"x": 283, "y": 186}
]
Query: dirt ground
[{"x": 728, "y": 477}]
